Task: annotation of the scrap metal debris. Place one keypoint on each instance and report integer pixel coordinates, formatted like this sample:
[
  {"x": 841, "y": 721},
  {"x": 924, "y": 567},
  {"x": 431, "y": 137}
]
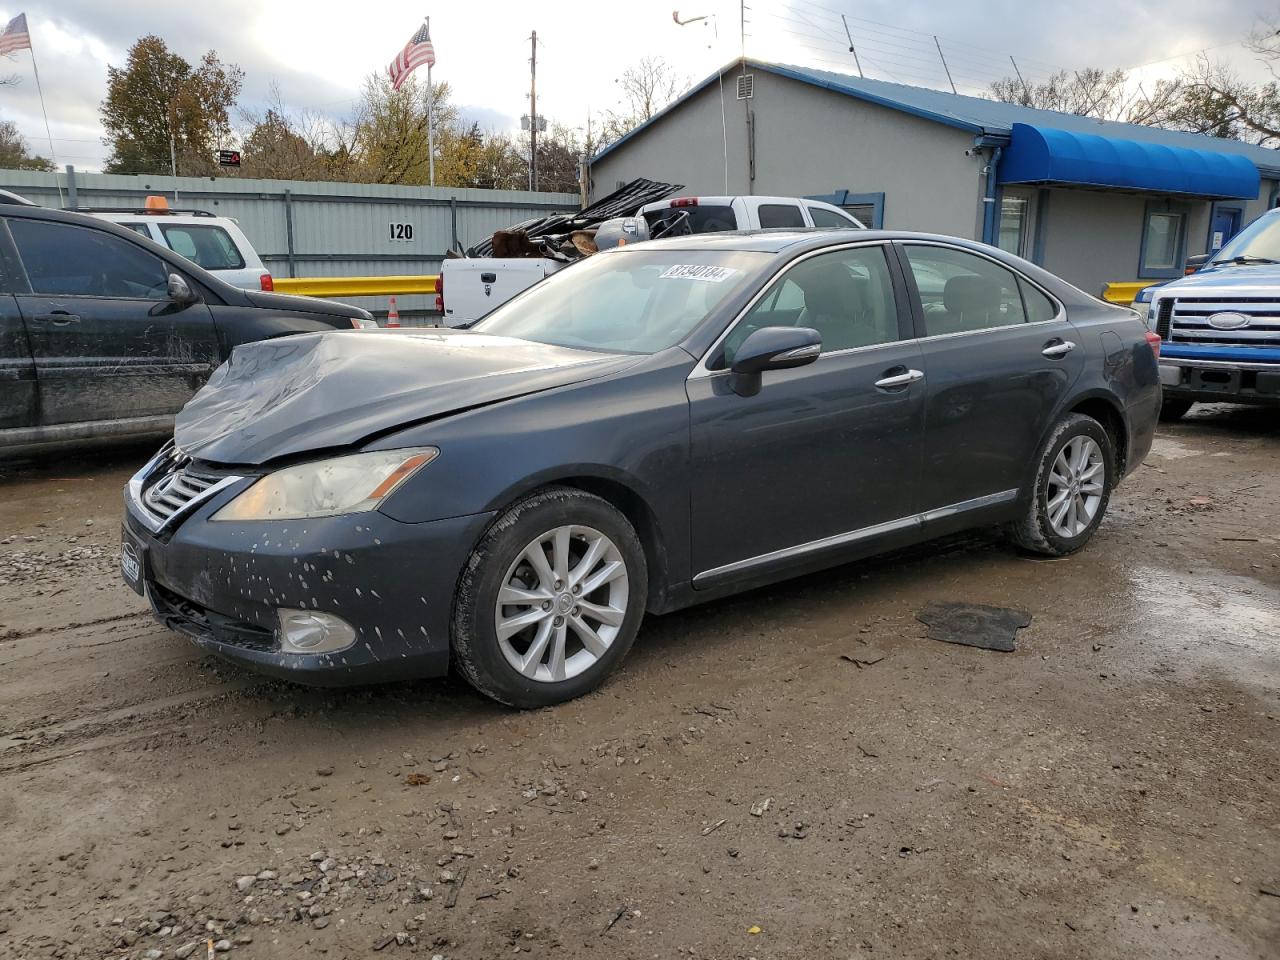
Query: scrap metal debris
[
  {"x": 974, "y": 624},
  {"x": 570, "y": 236}
]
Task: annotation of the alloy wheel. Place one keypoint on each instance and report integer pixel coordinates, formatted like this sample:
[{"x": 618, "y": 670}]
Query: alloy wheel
[
  {"x": 562, "y": 603},
  {"x": 1075, "y": 487}
]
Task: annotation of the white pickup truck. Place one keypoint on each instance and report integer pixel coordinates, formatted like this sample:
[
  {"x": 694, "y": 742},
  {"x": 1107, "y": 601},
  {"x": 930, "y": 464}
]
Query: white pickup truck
[{"x": 470, "y": 287}]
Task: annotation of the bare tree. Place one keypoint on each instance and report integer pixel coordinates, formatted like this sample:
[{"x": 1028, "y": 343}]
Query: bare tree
[
  {"x": 1218, "y": 102},
  {"x": 1091, "y": 92},
  {"x": 646, "y": 88}
]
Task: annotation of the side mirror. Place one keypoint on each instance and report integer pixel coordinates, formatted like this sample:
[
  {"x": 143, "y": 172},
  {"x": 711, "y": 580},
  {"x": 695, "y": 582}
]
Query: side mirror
[
  {"x": 772, "y": 348},
  {"x": 1195, "y": 263},
  {"x": 179, "y": 291}
]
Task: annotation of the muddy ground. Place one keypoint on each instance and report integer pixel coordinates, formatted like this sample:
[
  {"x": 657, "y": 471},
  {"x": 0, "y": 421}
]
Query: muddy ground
[{"x": 1110, "y": 789}]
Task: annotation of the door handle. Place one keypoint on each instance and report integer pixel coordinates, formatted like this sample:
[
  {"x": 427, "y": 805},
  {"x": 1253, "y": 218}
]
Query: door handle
[
  {"x": 59, "y": 318},
  {"x": 1058, "y": 349},
  {"x": 904, "y": 379}
]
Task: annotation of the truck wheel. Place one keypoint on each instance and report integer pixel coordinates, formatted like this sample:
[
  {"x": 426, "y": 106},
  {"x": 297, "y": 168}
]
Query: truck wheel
[
  {"x": 1074, "y": 478},
  {"x": 550, "y": 599},
  {"x": 1172, "y": 409}
]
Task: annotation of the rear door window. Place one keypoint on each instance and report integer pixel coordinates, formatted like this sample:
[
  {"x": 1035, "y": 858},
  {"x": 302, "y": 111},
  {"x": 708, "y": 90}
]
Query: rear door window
[
  {"x": 1039, "y": 307},
  {"x": 207, "y": 245},
  {"x": 961, "y": 292},
  {"x": 822, "y": 217},
  {"x": 63, "y": 260},
  {"x": 781, "y": 215},
  {"x": 139, "y": 228}
]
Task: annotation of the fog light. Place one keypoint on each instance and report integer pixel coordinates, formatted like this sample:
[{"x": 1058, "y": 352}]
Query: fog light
[{"x": 311, "y": 631}]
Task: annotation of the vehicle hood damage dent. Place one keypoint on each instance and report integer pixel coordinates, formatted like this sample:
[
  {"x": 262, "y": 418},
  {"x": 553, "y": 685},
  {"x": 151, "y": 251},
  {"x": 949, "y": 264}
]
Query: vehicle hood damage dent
[{"x": 281, "y": 397}]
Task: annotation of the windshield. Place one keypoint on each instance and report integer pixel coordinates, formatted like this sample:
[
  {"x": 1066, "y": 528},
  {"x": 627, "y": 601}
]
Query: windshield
[
  {"x": 1260, "y": 240},
  {"x": 639, "y": 301}
]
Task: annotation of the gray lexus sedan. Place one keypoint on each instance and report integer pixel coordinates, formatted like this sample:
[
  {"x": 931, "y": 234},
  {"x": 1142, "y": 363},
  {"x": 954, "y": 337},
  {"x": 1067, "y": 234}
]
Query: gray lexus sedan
[{"x": 652, "y": 427}]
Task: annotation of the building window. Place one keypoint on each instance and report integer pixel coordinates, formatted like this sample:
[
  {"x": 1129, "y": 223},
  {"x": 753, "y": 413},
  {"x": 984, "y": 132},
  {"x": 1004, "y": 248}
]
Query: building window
[
  {"x": 1163, "y": 242},
  {"x": 1013, "y": 225}
]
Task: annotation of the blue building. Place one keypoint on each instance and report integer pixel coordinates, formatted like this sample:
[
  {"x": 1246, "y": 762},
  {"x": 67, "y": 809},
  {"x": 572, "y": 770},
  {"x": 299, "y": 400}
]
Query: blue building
[{"x": 1092, "y": 200}]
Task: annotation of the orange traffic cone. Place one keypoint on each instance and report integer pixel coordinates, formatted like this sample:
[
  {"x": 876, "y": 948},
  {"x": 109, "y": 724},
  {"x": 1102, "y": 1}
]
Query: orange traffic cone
[{"x": 393, "y": 315}]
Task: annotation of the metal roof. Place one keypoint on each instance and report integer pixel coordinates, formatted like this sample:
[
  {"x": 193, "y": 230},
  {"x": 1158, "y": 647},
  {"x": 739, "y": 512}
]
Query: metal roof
[{"x": 978, "y": 115}]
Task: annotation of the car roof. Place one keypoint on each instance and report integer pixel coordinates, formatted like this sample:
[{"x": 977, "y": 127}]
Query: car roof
[{"x": 779, "y": 240}]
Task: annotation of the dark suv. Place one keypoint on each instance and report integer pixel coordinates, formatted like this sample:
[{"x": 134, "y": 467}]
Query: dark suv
[{"x": 104, "y": 333}]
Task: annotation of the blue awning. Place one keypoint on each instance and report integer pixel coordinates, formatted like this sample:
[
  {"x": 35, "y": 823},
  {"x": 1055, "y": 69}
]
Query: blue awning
[{"x": 1047, "y": 155}]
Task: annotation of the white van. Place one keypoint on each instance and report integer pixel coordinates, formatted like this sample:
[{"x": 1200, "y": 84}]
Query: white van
[{"x": 215, "y": 243}]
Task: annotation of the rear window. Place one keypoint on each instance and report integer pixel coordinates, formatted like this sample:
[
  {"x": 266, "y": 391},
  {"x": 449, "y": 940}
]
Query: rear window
[
  {"x": 209, "y": 246},
  {"x": 680, "y": 221},
  {"x": 781, "y": 215}
]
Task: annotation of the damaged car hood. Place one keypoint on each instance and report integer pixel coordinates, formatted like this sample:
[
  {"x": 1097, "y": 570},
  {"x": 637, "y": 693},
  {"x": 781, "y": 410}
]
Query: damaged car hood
[{"x": 286, "y": 396}]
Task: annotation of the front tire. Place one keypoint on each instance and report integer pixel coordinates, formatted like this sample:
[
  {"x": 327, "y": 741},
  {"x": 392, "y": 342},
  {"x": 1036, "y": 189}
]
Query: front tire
[
  {"x": 550, "y": 599},
  {"x": 1075, "y": 475}
]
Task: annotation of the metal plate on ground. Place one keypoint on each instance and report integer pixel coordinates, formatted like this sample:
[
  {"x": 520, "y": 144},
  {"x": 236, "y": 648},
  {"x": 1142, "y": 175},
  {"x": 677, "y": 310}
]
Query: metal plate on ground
[{"x": 974, "y": 624}]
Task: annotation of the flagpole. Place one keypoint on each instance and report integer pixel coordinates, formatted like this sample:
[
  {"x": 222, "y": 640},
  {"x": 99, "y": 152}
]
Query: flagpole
[
  {"x": 431, "y": 120},
  {"x": 47, "y": 132}
]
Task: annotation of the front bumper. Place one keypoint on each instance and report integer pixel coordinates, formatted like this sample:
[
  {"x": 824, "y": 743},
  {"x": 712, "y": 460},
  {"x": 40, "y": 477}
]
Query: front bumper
[
  {"x": 1228, "y": 381},
  {"x": 222, "y": 584}
]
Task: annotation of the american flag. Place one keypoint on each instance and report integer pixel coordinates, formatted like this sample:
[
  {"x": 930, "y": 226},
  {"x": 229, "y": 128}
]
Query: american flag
[
  {"x": 415, "y": 53},
  {"x": 15, "y": 36}
]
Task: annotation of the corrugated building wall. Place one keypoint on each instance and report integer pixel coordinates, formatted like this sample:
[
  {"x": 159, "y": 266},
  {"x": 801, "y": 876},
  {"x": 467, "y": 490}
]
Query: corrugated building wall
[{"x": 305, "y": 229}]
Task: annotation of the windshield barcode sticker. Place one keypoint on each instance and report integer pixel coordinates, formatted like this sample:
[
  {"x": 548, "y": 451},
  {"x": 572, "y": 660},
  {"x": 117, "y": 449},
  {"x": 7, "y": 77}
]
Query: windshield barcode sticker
[{"x": 690, "y": 271}]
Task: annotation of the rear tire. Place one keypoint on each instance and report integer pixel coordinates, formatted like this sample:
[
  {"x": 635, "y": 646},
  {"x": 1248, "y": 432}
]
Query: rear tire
[
  {"x": 1173, "y": 409},
  {"x": 550, "y": 599},
  {"x": 1075, "y": 475}
]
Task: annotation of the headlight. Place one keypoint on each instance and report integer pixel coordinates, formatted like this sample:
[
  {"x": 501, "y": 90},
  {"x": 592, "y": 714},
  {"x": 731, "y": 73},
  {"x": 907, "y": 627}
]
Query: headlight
[{"x": 326, "y": 488}]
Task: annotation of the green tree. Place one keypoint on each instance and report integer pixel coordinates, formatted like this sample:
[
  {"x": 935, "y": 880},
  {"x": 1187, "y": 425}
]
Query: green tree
[
  {"x": 158, "y": 94},
  {"x": 15, "y": 154},
  {"x": 391, "y": 129}
]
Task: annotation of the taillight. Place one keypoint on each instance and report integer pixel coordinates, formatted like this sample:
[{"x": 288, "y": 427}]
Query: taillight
[
  {"x": 1153, "y": 338},
  {"x": 266, "y": 282},
  {"x": 440, "y": 293},
  {"x": 685, "y": 202}
]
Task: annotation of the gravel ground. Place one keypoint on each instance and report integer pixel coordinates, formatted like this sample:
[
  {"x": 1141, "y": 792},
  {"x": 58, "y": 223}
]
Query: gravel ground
[{"x": 797, "y": 772}]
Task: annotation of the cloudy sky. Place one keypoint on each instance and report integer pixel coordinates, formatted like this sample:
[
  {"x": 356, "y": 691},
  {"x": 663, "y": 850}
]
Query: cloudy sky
[{"x": 318, "y": 51}]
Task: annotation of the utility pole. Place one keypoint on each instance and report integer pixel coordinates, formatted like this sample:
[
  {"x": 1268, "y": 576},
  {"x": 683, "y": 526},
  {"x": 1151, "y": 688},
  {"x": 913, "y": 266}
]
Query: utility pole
[{"x": 533, "y": 111}]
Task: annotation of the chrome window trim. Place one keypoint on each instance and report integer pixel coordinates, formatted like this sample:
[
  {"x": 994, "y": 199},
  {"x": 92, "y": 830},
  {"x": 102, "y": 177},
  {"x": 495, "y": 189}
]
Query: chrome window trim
[
  {"x": 701, "y": 371},
  {"x": 916, "y": 520}
]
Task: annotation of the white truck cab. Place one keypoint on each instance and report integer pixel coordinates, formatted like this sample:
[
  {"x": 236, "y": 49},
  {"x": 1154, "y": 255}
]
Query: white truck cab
[
  {"x": 470, "y": 287},
  {"x": 717, "y": 214},
  {"x": 215, "y": 243}
]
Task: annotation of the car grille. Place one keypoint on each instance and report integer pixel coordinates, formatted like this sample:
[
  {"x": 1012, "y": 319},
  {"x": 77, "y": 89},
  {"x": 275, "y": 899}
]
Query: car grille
[
  {"x": 1190, "y": 320},
  {"x": 169, "y": 487}
]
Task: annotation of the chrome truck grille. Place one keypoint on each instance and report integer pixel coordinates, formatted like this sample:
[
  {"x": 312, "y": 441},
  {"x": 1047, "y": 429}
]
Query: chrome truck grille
[
  {"x": 167, "y": 488},
  {"x": 1234, "y": 321}
]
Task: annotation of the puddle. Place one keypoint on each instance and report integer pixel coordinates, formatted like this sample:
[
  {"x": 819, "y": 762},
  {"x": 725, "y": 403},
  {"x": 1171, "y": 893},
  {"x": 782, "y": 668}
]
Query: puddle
[
  {"x": 1169, "y": 449},
  {"x": 1224, "y": 622}
]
